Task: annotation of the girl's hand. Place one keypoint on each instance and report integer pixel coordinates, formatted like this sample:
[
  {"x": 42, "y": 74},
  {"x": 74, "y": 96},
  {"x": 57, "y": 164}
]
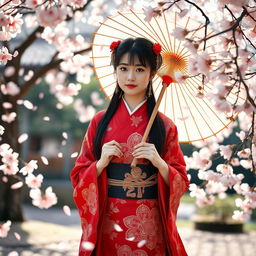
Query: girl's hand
[
  {"x": 109, "y": 149},
  {"x": 148, "y": 151}
]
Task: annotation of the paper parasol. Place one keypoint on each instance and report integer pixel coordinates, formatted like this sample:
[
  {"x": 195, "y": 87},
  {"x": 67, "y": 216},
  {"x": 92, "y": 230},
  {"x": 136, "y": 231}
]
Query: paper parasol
[{"x": 195, "y": 117}]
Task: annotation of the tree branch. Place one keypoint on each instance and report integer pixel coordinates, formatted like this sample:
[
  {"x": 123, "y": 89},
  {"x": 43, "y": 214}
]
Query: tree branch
[{"x": 51, "y": 65}]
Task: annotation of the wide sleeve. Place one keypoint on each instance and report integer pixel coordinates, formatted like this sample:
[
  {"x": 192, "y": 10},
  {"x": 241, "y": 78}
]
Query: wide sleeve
[
  {"x": 86, "y": 185},
  {"x": 170, "y": 195}
]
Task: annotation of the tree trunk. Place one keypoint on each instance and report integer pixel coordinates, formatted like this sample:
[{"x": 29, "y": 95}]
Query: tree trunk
[{"x": 10, "y": 199}]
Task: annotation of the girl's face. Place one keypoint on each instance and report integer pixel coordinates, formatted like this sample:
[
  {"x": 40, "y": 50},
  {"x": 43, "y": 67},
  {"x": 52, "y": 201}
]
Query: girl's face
[{"x": 133, "y": 79}]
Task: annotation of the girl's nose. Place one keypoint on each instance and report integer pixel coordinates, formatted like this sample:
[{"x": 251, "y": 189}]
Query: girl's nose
[{"x": 131, "y": 75}]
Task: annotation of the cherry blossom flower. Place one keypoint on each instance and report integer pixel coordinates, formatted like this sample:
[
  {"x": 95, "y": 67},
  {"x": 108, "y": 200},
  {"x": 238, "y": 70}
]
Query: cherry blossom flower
[
  {"x": 151, "y": 12},
  {"x": 43, "y": 201},
  {"x": 5, "y": 55},
  {"x": 247, "y": 164},
  {"x": 13, "y": 253},
  {"x": 226, "y": 151},
  {"x": 4, "y": 228},
  {"x": 74, "y": 3},
  {"x": 179, "y": 33},
  {"x": 225, "y": 169},
  {"x": 34, "y": 181},
  {"x": 33, "y": 3},
  {"x": 240, "y": 215},
  {"x": 14, "y": 25},
  {"x": 29, "y": 167},
  {"x": 4, "y": 20},
  {"x": 5, "y": 36},
  {"x": 245, "y": 153},
  {"x": 241, "y": 135},
  {"x": 7, "y": 105},
  {"x": 51, "y": 17},
  {"x": 65, "y": 94},
  {"x": 9, "y": 160}
]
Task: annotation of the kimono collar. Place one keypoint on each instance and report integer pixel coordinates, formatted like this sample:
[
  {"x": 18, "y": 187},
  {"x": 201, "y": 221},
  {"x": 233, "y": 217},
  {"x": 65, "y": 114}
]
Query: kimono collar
[{"x": 135, "y": 109}]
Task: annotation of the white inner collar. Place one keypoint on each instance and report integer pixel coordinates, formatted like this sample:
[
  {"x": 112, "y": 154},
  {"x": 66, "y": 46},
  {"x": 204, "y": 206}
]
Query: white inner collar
[{"x": 135, "y": 109}]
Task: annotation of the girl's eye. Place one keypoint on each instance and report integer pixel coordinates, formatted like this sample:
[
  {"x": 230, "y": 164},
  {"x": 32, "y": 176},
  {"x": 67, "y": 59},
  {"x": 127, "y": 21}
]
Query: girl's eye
[
  {"x": 140, "y": 69},
  {"x": 123, "y": 68}
]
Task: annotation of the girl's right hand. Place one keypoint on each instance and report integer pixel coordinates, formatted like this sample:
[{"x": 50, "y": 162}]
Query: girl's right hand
[{"x": 109, "y": 149}]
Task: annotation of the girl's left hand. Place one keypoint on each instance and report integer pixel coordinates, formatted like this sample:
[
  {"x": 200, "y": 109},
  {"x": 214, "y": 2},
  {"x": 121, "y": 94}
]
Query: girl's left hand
[{"x": 148, "y": 151}]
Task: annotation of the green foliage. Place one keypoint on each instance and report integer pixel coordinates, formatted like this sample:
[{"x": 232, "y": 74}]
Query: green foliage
[{"x": 221, "y": 209}]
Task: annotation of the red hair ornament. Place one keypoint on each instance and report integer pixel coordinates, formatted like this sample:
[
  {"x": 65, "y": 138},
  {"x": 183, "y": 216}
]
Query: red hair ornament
[
  {"x": 157, "y": 48},
  {"x": 114, "y": 45}
]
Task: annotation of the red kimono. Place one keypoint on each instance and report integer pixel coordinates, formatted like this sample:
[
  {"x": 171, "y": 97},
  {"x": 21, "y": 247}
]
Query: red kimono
[{"x": 129, "y": 227}]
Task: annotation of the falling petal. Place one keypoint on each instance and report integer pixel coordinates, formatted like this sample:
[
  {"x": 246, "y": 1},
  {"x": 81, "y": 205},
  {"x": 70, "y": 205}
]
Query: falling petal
[
  {"x": 59, "y": 106},
  {"x": 17, "y": 235},
  {"x": 44, "y": 160},
  {"x": 63, "y": 143},
  {"x": 13, "y": 253},
  {"x": 28, "y": 104},
  {"x": 117, "y": 228},
  {"x": 5, "y": 179},
  {"x": 17, "y": 185},
  {"x": 23, "y": 137},
  {"x": 66, "y": 210},
  {"x": 130, "y": 238},
  {"x": 46, "y": 118},
  {"x": 60, "y": 155},
  {"x": 65, "y": 135},
  {"x": 41, "y": 95},
  {"x": 141, "y": 243},
  {"x": 75, "y": 154},
  {"x": 20, "y": 102},
  {"x": 88, "y": 246},
  {"x": 7, "y": 105}
]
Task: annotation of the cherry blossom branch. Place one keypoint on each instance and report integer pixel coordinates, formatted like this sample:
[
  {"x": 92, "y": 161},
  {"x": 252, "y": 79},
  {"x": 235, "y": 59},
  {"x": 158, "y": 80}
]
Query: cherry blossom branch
[
  {"x": 41, "y": 72},
  {"x": 233, "y": 27}
]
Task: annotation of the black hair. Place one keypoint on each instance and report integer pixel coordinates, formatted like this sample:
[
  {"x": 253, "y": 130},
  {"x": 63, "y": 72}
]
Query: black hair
[{"x": 142, "y": 48}]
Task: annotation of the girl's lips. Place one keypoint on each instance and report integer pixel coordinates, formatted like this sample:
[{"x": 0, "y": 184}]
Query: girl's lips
[{"x": 130, "y": 85}]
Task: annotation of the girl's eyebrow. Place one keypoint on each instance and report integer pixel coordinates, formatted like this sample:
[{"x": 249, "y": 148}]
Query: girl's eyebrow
[{"x": 126, "y": 64}]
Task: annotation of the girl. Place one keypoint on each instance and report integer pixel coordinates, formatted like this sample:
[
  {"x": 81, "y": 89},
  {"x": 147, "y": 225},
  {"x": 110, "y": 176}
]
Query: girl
[{"x": 124, "y": 210}]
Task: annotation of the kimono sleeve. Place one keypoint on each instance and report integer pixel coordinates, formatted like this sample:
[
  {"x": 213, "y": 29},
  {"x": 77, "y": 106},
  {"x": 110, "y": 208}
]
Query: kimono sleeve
[
  {"x": 86, "y": 185},
  {"x": 173, "y": 156}
]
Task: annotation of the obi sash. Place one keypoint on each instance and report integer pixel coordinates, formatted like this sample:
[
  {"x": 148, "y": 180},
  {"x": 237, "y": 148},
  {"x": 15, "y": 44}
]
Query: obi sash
[{"x": 137, "y": 183}]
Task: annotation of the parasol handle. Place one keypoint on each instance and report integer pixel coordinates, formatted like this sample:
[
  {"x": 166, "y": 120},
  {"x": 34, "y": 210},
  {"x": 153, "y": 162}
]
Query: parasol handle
[{"x": 151, "y": 120}]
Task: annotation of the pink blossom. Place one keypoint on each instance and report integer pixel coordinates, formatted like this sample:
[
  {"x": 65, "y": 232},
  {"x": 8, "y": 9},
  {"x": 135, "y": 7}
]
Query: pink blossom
[
  {"x": 4, "y": 228},
  {"x": 55, "y": 36},
  {"x": 151, "y": 12},
  {"x": 247, "y": 164},
  {"x": 240, "y": 215},
  {"x": 15, "y": 23},
  {"x": 10, "y": 117},
  {"x": 74, "y": 3},
  {"x": 213, "y": 187},
  {"x": 180, "y": 77},
  {"x": 33, "y": 3},
  {"x": 235, "y": 161},
  {"x": 34, "y": 181},
  {"x": 241, "y": 135},
  {"x": 5, "y": 55},
  {"x": 65, "y": 93},
  {"x": 225, "y": 169},
  {"x": 226, "y": 151},
  {"x": 51, "y": 17},
  {"x": 43, "y": 201},
  {"x": 13, "y": 253},
  {"x": 10, "y": 88},
  {"x": 254, "y": 153},
  {"x": 5, "y": 36},
  {"x": 4, "y": 20},
  {"x": 245, "y": 153},
  {"x": 238, "y": 3},
  {"x": 179, "y": 33},
  {"x": 17, "y": 236},
  {"x": 29, "y": 167},
  {"x": 191, "y": 46},
  {"x": 242, "y": 188},
  {"x": 183, "y": 13}
]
